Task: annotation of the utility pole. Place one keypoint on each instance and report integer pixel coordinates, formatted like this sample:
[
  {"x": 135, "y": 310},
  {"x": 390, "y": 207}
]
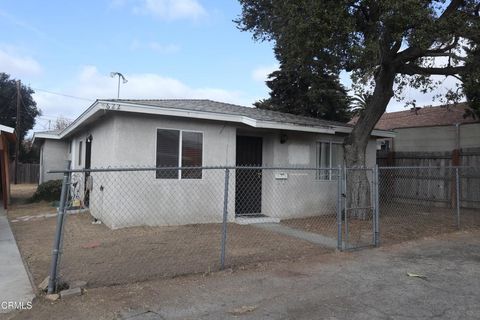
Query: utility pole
[{"x": 17, "y": 131}]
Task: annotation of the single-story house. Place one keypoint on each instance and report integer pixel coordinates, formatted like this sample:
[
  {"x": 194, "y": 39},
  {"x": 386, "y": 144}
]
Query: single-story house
[
  {"x": 430, "y": 129},
  {"x": 190, "y": 133},
  {"x": 7, "y": 137}
]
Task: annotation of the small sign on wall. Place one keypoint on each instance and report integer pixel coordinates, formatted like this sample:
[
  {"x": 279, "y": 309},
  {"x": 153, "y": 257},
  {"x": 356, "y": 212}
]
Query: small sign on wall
[{"x": 281, "y": 176}]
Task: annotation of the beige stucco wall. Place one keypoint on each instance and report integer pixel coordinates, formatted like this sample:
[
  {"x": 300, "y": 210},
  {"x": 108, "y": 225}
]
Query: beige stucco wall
[
  {"x": 122, "y": 199},
  {"x": 53, "y": 156},
  {"x": 431, "y": 139},
  {"x": 292, "y": 193}
]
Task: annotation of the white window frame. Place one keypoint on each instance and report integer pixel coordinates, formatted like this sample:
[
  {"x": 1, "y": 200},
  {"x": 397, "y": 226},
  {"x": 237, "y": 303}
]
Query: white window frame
[
  {"x": 180, "y": 138},
  {"x": 317, "y": 160}
]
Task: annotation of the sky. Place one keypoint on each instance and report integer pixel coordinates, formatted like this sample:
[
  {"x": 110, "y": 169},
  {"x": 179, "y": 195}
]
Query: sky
[{"x": 66, "y": 50}]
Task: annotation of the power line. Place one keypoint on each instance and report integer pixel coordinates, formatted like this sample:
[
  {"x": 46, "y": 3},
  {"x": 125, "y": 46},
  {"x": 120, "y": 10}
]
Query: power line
[
  {"x": 63, "y": 94},
  {"x": 52, "y": 117}
]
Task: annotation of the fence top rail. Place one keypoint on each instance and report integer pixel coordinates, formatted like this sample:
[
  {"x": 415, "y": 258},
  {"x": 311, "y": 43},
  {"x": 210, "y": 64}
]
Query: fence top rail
[
  {"x": 126, "y": 169},
  {"x": 428, "y": 167}
]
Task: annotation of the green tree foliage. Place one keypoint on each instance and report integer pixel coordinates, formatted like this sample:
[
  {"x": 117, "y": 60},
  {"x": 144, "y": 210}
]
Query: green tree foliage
[
  {"x": 300, "y": 91},
  {"x": 387, "y": 45},
  {"x": 47, "y": 191},
  {"x": 28, "y": 152},
  {"x": 8, "y": 105},
  {"x": 359, "y": 103},
  {"x": 471, "y": 83}
]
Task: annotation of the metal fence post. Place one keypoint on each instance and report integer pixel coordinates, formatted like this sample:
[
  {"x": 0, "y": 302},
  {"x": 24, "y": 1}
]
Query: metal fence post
[
  {"x": 376, "y": 211},
  {"x": 52, "y": 283},
  {"x": 345, "y": 205},
  {"x": 457, "y": 183},
  {"x": 339, "y": 207},
  {"x": 224, "y": 222}
]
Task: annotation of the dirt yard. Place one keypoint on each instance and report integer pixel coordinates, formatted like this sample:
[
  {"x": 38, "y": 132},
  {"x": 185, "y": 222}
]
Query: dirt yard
[
  {"x": 397, "y": 224},
  {"x": 101, "y": 256},
  {"x": 365, "y": 284}
]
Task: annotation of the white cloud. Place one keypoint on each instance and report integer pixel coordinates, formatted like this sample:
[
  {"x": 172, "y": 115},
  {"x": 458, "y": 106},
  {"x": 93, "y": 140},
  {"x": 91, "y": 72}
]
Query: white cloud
[
  {"x": 163, "y": 48},
  {"x": 92, "y": 84},
  {"x": 154, "y": 46},
  {"x": 425, "y": 99},
  {"x": 261, "y": 73},
  {"x": 18, "y": 65},
  {"x": 171, "y": 9}
]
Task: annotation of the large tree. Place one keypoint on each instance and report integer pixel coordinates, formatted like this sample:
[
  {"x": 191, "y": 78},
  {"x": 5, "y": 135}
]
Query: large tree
[
  {"x": 387, "y": 45},
  {"x": 8, "y": 105},
  {"x": 301, "y": 90}
]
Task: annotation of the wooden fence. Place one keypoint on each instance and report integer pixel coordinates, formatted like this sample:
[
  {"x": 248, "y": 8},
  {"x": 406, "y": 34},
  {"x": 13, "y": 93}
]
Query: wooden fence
[
  {"x": 27, "y": 172},
  {"x": 433, "y": 187}
]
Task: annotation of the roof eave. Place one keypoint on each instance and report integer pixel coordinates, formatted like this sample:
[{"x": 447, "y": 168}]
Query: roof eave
[
  {"x": 107, "y": 105},
  {"x": 375, "y": 132},
  {"x": 40, "y": 136}
]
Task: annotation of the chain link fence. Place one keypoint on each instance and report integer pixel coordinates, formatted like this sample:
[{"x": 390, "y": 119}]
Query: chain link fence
[
  {"x": 123, "y": 225},
  {"x": 134, "y": 224},
  {"x": 417, "y": 202}
]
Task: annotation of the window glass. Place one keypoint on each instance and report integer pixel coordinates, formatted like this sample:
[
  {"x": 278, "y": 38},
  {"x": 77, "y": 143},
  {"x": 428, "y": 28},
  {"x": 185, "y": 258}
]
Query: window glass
[
  {"x": 167, "y": 153},
  {"x": 176, "y": 145},
  {"x": 191, "y": 154},
  {"x": 80, "y": 147},
  {"x": 323, "y": 159},
  {"x": 337, "y": 158},
  {"x": 329, "y": 155}
]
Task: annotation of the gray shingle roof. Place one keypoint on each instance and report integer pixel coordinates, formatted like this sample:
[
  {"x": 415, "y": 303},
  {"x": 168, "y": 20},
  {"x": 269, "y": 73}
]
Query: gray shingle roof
[{"x": 232, "y": 109}]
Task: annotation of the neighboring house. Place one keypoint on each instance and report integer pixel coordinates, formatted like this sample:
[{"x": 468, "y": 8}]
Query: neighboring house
[
  {"x": 430, "y": 129},
  {"x": 165, "y": 133},
  {"x": 53, "y": 154},
  {"x": 7, "y": 137}
]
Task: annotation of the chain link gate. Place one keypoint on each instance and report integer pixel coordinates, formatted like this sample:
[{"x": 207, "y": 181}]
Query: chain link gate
[{"x": 359, "y": 221}]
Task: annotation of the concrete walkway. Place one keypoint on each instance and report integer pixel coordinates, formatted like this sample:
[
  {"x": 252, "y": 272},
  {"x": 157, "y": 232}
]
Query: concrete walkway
[
  {"x": 299, "y": 234},
  {"x": 15, "y": 285}
]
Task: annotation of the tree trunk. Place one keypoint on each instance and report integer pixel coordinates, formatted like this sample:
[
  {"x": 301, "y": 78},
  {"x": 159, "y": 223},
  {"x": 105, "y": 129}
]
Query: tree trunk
[{"x": 355, "y": 146}]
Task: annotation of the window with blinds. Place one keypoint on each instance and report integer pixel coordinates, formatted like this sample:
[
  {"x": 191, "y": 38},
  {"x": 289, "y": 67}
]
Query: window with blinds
[
  {"x": 329, "y": 155},
  {"x": 177, "y": 148}
]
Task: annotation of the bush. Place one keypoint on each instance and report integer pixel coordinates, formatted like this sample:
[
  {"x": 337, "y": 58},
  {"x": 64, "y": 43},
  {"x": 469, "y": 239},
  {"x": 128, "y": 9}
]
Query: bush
[{"x": 48, "y": 191}]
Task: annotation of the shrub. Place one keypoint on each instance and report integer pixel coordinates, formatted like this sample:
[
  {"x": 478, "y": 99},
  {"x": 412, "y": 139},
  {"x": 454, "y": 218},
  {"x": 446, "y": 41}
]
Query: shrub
[{"x": 48, "y": 191}]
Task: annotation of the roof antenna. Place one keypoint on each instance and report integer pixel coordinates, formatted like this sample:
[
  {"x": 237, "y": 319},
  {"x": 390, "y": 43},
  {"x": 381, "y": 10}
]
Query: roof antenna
[{"x": 120, "y": 76}]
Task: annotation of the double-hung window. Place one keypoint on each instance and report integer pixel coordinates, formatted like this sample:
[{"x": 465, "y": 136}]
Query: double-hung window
[
  {"x": 179, "y": 148},
  {"x": 329, "y": 155}
]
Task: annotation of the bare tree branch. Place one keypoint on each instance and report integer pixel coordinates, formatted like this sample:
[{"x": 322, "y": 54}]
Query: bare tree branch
[
  {"x": 413, "y": 53},
  {"x": 445, "y": 54},
  {"x": 410, "y": 69}
]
